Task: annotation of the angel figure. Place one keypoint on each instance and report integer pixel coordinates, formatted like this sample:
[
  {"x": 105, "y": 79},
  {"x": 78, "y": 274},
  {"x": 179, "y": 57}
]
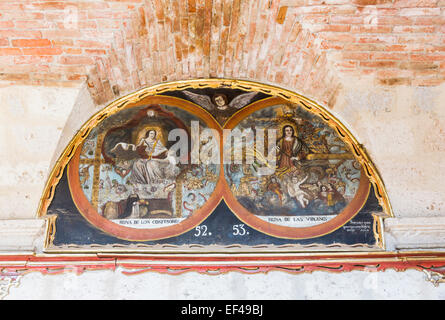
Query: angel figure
[
  {"x": 218, "y": 104},
  {"x": 294, "y": 190}
]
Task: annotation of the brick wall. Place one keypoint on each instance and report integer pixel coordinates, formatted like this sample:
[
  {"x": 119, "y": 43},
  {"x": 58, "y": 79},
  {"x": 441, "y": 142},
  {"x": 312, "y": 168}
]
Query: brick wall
[{"x": 305, "y": 45}]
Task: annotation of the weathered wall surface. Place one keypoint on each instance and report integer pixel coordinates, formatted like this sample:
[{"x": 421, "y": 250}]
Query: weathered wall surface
[
  {"x": 403, "y": 130},
  {"x": 109, "y": 285},
  {"x": 32, "y": 121}
]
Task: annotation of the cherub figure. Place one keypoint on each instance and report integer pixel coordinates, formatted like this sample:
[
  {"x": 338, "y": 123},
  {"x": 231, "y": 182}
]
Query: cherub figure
[{"x": 219, "y": 105}]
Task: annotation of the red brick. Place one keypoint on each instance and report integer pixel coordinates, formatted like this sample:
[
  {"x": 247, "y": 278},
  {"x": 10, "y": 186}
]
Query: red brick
[
  {"x": 338, "y": 19},
  {"x": 438, "y": 20},
  {"x": 42, "y": 51},
  {"x": 343, "y": 9},
  {"x": 331, "y": 28},
  {"x": 414, "y": 29},
  {"x": 296, "y": 29},
  {"x": 428, "y": 57},
  {"x": 46, "y": 76},
  {"x": 394, "y": 20},
  {"x": 77, "y": 77},
  {"x": 377, "y": 39},
  {"x": 395, "y": 47},
  {"x": 6, "y": 24},
  {"x": 316, "y": 19},
  {"x": 86, "y": 24},
  {"x": 91, "y": 44},
  {"x": 31, "y": 24},
  {"x": 227, "y": 9},
  {"x": 375, "y": 29},
  {"x": 364, "y": 47},
  {"x": 417, "y": 39},
  {"x": 315, "y": 9},
  {"x": 108, "y": 23},
  {"x": 8, "y": 6},
  {"x": 59, "y": 16},
  {"x": 31, "y": 43},
  {"x": 62, "y": 42},
  {"x": 347, "y": 64},
  {"x": 425, "y": 73},
  {"x": 427, "y": 82},
  {"x": 355, "y": 55},
  {"x": 378, "y": 64},
  {"x": 89, "y": 5},
  {"x": 418, "y": 65},
  {"x": 62, "y": 34},
  {"x": 25, "y": 68},
  {"x": 418, "y": 47},
  {"x": 337, "y": 37},
  {"x": 382, "y": 11},
  {"x": 395, "y": 81},
  {"x": 369, "y": 2},
  {"x": 23, "y": 15},
  {"x": 95, "y": 52},
  {"x": 51, "y": 5},
  {"x": 69, "y": 69},
  {"x": 14, "y": 76},
  {"x": 389, "y": 56},
  {"x": 331, "y": 45},
  {"x": 72, "y": 50},
  {"x": 10, "y": 51},
  {"x": 159, "y": 9},
  {"x": 433, "y": 49},
  {"x": 33, "y": 59},
  {"x": 191, "y": 5},
  {"x": 28, "y": 34},
  {"x": 414, "y": 3},
  {"x": 76, "y": 60}
]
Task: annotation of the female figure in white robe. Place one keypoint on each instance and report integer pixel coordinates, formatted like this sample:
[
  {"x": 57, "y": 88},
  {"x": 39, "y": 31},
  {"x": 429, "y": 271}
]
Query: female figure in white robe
[{"x": 156, "y": 164}]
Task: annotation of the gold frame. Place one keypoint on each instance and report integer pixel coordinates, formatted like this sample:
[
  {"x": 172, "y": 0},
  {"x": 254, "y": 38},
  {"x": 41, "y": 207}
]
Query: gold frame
[{"x": 133, "y": 98}]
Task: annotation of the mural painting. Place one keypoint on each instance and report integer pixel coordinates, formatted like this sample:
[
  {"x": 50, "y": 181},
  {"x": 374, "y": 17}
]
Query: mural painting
[
  {"x": 133, "y": 172},
  {"x": 313, "y": 176},
  {"x": 214, "y": 167}
]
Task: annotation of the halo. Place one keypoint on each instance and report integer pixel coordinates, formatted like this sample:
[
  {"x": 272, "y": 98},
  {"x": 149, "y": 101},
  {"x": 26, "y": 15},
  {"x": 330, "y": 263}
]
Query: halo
[
  {"x": 288, "y": 123},
  {"x": 140, "y": 133}
]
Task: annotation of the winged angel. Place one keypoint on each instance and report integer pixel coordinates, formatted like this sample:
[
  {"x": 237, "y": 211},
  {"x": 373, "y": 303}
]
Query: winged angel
[{"x": 218, "y": 104}]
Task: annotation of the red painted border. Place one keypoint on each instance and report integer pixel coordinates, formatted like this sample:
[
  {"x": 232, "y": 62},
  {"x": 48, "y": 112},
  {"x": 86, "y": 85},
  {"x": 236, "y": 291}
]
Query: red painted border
[{"x": 132, "y": 264}]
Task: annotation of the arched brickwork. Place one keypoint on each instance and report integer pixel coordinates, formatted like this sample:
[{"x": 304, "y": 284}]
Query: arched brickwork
[{"x": 304, "y": 45}]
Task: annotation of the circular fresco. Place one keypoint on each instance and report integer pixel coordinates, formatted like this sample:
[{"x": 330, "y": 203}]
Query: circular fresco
[
  {"x": 136, "y": 175},
  {"x": 296, "y": 177}
]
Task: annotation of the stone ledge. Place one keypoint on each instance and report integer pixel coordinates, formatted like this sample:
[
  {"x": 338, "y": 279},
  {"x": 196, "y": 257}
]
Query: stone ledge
[
  {"x": 415, "y": 233},
  {"x": 22, "y": 235}
]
